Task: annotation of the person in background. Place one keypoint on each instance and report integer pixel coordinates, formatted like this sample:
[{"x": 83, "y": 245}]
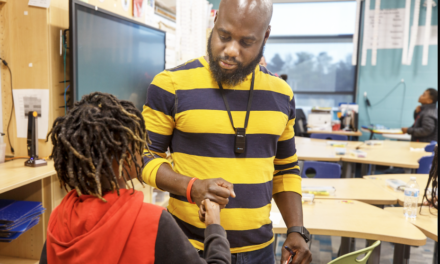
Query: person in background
[
  {"x": 425, "y": 128},
  {"x": 284, "y": 77},
  {"x": 263, "y": 62},
  {"x": 97, "y": 148},
  {"x": 225, "y": 146}
]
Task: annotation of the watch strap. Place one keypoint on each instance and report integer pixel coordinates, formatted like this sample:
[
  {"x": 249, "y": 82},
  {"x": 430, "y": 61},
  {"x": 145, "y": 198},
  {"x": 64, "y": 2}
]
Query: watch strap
[{"x": 301, "y": 230}]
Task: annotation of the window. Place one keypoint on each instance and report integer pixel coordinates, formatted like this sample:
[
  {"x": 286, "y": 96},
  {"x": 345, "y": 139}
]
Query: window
[{"x": 313, "y": 44}]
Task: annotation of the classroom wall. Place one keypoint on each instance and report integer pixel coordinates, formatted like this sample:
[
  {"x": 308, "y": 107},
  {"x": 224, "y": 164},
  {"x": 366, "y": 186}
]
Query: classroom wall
[
  {"x": 378, "y": 80},
  {"x": 215, "y": 3}
]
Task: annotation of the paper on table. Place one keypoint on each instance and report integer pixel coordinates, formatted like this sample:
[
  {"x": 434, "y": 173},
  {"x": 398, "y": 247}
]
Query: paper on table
[
  {"x": 39, "y": 3},
  {"x": 26, "y": 100},
  {"x": 275, "y": 217}
]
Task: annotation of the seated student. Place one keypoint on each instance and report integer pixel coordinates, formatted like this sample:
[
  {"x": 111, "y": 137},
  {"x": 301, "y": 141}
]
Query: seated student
[
  {"x": 425, "y": 128},
  {"x": 97, "y": 149}
]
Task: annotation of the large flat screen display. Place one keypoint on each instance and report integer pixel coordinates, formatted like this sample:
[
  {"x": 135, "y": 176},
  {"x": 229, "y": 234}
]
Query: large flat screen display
[{"x": 113, "y": 54}]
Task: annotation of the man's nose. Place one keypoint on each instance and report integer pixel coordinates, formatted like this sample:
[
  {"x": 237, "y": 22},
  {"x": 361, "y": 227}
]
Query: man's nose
[{"x": 232, "y": 50}]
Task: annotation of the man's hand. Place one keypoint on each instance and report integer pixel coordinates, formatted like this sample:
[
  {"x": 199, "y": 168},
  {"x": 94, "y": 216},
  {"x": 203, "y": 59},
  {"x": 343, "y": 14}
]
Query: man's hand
[
  {"x": 216, "y": 190},
  {"x": 209, "y": 212},
  {"x": 296, "y": 243},
  {"x": 404, "y": 130}
]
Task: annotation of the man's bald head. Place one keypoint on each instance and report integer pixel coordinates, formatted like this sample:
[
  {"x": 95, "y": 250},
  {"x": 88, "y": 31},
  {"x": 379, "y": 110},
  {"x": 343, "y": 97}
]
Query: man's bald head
[
  {"x": 263, "y": 9},
  {"x": 237, "y": 40}
]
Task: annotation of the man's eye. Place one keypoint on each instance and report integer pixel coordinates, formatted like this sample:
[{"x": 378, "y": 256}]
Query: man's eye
[{"x": 224, "y": 38}]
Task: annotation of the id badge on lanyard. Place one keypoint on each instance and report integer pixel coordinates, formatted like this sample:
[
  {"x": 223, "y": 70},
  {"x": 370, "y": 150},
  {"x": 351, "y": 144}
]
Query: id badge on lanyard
[{"x": 240, "y": 133}]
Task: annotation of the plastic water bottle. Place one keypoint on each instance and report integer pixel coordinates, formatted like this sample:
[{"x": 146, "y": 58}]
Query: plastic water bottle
[{"x": 411, "y": 194}]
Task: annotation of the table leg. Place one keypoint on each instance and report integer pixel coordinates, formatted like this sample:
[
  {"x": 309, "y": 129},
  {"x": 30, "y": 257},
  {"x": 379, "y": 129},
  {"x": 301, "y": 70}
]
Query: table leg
[
  {"x": 375, "y": 255},
  {"x": 408, "y": 171},
  {"x": 346, "y": 246},
  {"x": 435, "y": 259},
  {"x": 371, "y": 135},
  {"x": 401, "y": 254},
  {"x": 275, "y": 244},
  {"x": 373, "y": 169},
  {"x": 347, "y": 169},
  {"x": 364, "y": 169}
]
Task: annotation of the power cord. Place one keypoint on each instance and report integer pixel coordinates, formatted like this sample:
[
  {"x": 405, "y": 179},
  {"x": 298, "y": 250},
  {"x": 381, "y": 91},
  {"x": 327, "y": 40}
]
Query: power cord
[
  {"x": 368, "y": 103},
  {"x": 12, "y": 108}
]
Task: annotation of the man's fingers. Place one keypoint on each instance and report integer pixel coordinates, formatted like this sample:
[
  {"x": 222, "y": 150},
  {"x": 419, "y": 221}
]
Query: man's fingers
[
  {"x": 227, "y": 185},
  {"x": 219, "y": 191},
  {"x": 284, "y": 255},
  {"x": 307, "y": 258}
]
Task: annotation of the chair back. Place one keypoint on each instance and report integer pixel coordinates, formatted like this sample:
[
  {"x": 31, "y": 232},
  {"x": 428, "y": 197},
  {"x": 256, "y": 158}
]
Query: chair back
[
  {"x": 329, "y": 137},
  {"x": 352, "y": 258},
  {"x": 425, "y": 164},
  {"x": 431, "y": 146},
  {"x": 321, "y": 170}
]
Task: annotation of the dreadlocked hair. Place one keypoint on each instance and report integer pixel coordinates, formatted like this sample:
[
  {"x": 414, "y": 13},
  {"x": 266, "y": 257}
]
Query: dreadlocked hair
[
  {"x": 97, "y": 130},
  {"x": 432, "y": 198}
]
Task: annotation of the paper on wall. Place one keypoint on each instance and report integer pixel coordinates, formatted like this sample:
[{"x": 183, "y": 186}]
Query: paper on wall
[
  {"x": 26, "y": 100},
  {"x": 39, "y": 3},
  {"x": 390, "y": 32}
]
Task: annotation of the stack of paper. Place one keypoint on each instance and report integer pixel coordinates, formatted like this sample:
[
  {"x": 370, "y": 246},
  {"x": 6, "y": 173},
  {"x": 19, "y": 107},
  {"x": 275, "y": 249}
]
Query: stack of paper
[
  {"x": 319, "y": 190},
  {"x": 16, "y": 217}
]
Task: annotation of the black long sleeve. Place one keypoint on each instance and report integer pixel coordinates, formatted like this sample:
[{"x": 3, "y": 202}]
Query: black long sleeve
[{"x": 172, "y": 246}]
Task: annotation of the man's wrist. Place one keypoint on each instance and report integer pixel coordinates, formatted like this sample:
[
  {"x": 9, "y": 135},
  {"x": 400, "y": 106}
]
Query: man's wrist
[{"x": 300, "y": 230}]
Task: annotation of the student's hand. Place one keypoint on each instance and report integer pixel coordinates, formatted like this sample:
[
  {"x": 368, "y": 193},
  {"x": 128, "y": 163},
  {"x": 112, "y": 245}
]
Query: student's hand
[
  {"x": 418, "y": 109},
  {"x": 216, "y": 190},
  {"x": 404, "y": 130},
  {"x": 209, "y": 212},
  {"x": 297, "y": 243}
]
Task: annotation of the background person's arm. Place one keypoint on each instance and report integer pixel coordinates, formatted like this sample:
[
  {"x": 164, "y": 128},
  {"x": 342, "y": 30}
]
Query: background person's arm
[
  {"x": 427, "y": 127},
  {"x": 158, "y": 114},
  {"x": 287, "y": 191}
]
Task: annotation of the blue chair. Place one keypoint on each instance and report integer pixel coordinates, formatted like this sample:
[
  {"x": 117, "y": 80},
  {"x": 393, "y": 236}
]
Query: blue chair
[
  {"x": 321, "y": 170},
  {"x": 431, "y": 146},
  {"x": 329, "y": 136},
  {"x": 425, "y": 164}
]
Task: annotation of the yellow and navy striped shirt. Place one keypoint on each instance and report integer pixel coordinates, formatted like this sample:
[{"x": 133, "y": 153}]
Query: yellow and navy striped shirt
[{"x": 185, "y": 112}]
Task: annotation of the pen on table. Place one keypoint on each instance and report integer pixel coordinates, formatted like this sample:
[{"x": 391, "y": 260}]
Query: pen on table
[{"x": 292, "y": 254}]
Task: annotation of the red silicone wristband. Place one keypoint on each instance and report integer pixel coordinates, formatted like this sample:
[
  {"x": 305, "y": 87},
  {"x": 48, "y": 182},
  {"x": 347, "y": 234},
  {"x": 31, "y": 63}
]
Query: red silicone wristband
[{"x": 188, "y": 190}]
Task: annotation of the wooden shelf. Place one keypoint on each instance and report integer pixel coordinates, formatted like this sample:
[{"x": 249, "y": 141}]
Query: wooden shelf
[
  {"x": 15, "y": 174},
  {"x": 12, "y": 260}
]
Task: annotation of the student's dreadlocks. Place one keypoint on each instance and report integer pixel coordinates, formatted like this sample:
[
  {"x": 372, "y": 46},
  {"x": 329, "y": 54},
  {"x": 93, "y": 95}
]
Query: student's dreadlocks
[
  {"x": 433, "y": 183},
  {"x": 98, "y": 129}
]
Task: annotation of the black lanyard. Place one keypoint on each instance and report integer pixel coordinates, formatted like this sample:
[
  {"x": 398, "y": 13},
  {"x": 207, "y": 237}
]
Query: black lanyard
[{"x": 240, "y": 133}]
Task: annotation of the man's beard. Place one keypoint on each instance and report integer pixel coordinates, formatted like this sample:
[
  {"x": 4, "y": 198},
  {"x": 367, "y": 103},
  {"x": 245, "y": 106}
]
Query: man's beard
[{"x": 238, "y": 75}]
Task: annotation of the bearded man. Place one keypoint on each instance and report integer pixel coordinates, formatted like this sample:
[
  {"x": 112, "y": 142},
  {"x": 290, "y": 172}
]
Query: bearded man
[{"x": 228, "y": 123}]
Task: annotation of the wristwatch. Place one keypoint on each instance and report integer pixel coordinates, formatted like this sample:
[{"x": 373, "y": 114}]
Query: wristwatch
[{"x": 300, "y": 230}]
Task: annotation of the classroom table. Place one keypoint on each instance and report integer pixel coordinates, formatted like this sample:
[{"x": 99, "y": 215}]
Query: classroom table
[
  {"x": 354, "y": 189},
  {"x": 315, "y": 149},
  {"x": 380, "y": 180},
  {"x": 403, "y": 137},
  {"x": 391, "y": 153},
  {"x": 348, "y": 218},
  {"x": 381, "y": 132},
  {"x": 353, "y": 134},
  {"x": 426, "y": 221}
]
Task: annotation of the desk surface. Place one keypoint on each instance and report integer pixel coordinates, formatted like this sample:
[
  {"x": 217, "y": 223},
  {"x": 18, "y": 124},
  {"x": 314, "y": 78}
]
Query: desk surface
[
  {"x": 354, "y": 189},
  {"x": 355, "y": 219},
  {"x": 337, "y": 132},
  {"x": 422, "y": 180},
  {"x": 315, "y": 149},
  {"x": 14, "y": 174},
  {"x": 427, "y": 222},
  {"x": 391, "y": 153}
]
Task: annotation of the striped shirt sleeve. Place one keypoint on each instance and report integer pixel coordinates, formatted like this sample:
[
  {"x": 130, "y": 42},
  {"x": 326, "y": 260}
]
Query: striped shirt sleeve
[
  {"x": 287, "y": 174},
  {"x": 159, "y": 122}
]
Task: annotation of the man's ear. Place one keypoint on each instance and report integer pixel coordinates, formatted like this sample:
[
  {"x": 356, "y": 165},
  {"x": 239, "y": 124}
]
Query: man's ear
[{"x": 267, "y": 34}]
